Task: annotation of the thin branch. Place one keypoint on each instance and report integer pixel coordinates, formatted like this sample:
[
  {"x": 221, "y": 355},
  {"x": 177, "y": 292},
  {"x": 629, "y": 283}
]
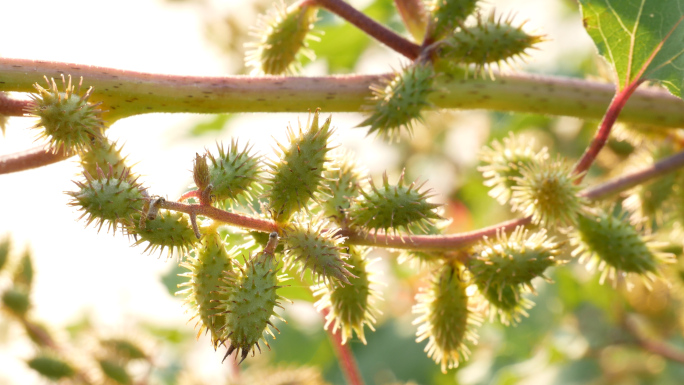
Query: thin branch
[
  {"x": 448, "y": 242},
  {"x": 28, "y": 159},
  {"x": 603, "y": 132},
  {"x": 630, "y": 180},
  {"x": 371, "y": 27},
  {"x": 127, "y": 93},
  {"x": 12, "y": 107},
  {"x": 345, "y": 356},
  {"x": 656, "y": 347}
]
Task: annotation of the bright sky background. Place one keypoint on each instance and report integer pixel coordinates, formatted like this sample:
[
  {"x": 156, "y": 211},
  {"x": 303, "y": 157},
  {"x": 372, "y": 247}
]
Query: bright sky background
[{"x": 78, "y": 270}]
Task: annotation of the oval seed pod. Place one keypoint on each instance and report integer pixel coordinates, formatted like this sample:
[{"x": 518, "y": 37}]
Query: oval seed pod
[
  {"x": 298, "y": 173},
  {"x": 447, "y": 318},
  {"x": 282, "y": 36},
  {"x": 493, "y": 40},
  {"x": 233, "y": 172},
  {"x": 317, "y": 250},
  {"x": 502, "y": 267},
  {"x": 351, "y": 306},
  {"x": 103, "y": 153},
  {"x": 446, "y": 15},
  {"x": 393, "y": 207},
  {"x": 51, "y": 367},
  {"x": 109, "y": 199},
  {"x": 613, "y": 244},
  {"x": 115, "y": 372},
  {"x": 547, "y": 192},
  {"x": 168, "y": 230},
  {"x": 341, "y": 185},
  {"x": 207, "y": 270},
  {"x": 67, "y": 118},
  {"x": 251, "y": 301},
  {"x": 503, "y": 162},
  {"x": 399, "y": 103}
]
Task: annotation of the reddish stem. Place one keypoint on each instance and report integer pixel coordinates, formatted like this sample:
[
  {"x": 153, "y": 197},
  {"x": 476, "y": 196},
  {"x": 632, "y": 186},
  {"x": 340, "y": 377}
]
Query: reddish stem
[
  {"x": 344, "y": 355},
  {"x": 28, "y": 159},
  {"x": 656, "y": 347},
  {"x": 371, "y": 27},
  {"x": 188, "y": 195},
  {"x": 601, "y": 137},
  {"x": 239, "y": 220},
  {"x": 12, "y": 107}
]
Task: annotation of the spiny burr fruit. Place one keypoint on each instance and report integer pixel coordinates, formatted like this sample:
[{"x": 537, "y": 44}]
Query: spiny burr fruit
[
  {"x": 504, "y": 161},
  {"x": 351, "y": 306},
  {"x": 103, "y": 153},
  {"x": 298, "y": 173},
  {"x": 492, "y": 40},
  {"x": 207, "y": 270},
  {"x": 250, "y": 302},
  {"x": 393, "y": 207},
  {"x": 341, "y": 185},
  {"x": 446, "y": 15},
  {"x": 115, "y": 372},
  {"x": 317, "y": 247},
  {"x": 234, "y": 172},
  {"x": 167, "y": 230},
  {"x": 607, "y": 240},
  {"x": 447, "y": 317},
  {"x": 51, "y": 367},
  {"x": 399, "y": 102},
  {"x": 107, "y": 198},
  {"x": 548, "y": 192},
  {"x": 282, "y": 36},
  {"x": 68, "y": 120},
  {"x": 502, "y": 266}
]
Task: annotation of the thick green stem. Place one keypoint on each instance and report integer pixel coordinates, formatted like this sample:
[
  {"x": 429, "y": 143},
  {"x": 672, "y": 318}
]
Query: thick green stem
[{"x": 127, "y": 93}]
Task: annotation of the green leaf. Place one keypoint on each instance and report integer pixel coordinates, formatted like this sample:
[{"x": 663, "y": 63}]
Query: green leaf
[
  {"x": 642, "y": 39},
  {"x": 216, "y": 124}
]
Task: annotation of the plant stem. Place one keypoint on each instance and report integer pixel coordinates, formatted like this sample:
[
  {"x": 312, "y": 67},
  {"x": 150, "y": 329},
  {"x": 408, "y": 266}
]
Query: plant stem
[
  {"x": 656, "y": 347},
  {"x": 603, "y": 132},
  {"x": 371, "y": 27},
  {"x": 127, "y": 93},
  {"x": 12, "y": 107},
  {"x": 412, "y": 12},
  {"x": 28, "y": 159},
  {"x": 345, "y": 356},
  {"x": 449, "y": 242},
  {"x": 630, "y": 180}
]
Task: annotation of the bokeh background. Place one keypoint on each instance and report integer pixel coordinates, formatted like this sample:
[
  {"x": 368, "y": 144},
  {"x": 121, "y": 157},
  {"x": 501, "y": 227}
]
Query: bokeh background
[{"x": 89, "y": 285}]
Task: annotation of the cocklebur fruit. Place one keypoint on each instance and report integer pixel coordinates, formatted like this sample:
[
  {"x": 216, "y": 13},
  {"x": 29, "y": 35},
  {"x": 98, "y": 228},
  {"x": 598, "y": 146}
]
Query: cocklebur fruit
[
  {"x": 341, "y": 184},
  {"x": 16, "y": 300},
  {"x": 251, "y": 298},
  {"x": 317, "y": 247},
  {"x": 504, "y": 161},
  {"x": 233, "y": 172},
  {"x": 350, "y": 306},
  {"x": 298, "y": 173},
  {"x": 610, "y": 242},
  {"x": 51, "y": 367},
  {"x": 115, "y": 372},
  {"x": 108, "y": 199},
  {"x": 168, "y": 230},
  {"x": 446, "y": 15},
  {"x": 492, "y": 40},
  {"x": 548, "y": 193},
  {"x": 103, "y": 153},
  {"x": 282, "y": 36},
  {"x": 399, "y": 102},
  {"x": 393, "y": 207},
  {"x": 506, "y": 301},
  {"x": 207, "y": 270},
  {"x": 68, "y": 120},
  {"x": 446, "y": 317},
  {"x": 124, "y": 348},
  {"x": 502, "y": 266}
]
